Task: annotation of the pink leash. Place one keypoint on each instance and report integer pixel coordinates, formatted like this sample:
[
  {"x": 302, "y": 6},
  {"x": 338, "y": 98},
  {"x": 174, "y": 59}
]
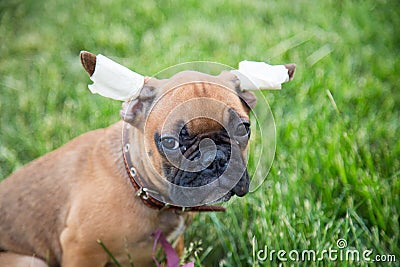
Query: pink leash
[{"x": 172, "y": 257}]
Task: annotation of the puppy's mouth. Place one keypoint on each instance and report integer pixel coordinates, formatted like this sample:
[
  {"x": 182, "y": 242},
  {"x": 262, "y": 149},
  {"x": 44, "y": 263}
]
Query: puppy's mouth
[{"x": 221, "y": 164}]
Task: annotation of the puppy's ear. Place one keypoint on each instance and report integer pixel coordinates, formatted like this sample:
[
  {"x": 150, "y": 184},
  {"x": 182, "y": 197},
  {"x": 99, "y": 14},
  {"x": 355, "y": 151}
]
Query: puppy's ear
[
  {"x": 291, "y": 69},
  {"x": 247, "y": 97},
  {"x": 135, "y": 111}
]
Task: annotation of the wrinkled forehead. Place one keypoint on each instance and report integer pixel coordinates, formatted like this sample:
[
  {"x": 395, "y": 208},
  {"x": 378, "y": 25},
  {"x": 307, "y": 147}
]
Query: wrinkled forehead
[
  {"x": 200, "y": 102},
  {"x": 225, "y": 79}
]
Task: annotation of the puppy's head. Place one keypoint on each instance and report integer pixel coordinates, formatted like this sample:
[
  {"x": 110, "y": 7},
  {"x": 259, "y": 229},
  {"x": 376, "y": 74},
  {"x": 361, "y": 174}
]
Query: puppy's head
[{"x": 195, "y": 129}]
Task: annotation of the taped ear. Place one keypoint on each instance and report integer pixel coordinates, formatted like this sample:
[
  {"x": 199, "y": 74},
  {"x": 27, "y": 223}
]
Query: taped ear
[
  {"x": 115, "y": 81},
  {"x": 262, "y": 76},
  {"x": 111, "y": 79}
]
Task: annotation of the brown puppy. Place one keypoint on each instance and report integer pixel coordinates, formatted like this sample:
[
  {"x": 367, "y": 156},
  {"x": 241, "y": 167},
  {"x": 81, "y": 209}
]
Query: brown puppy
[{"x": 55, "y": 209}]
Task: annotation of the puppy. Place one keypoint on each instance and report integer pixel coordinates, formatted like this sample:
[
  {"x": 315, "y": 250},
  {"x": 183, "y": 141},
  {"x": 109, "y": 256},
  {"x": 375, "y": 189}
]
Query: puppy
[{"x": 181, "y": 145}]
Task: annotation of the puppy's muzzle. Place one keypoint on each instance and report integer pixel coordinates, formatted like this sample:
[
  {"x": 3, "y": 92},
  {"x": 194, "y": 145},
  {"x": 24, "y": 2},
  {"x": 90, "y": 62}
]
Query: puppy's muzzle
[{"x": 218, "y": 162}]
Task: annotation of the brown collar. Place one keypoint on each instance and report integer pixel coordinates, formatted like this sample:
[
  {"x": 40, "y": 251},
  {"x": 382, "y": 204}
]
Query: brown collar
[{"x": 143, "y": 192}]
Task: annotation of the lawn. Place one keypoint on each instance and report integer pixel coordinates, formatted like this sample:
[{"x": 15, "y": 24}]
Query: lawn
[{"x": 337, "y": 162}]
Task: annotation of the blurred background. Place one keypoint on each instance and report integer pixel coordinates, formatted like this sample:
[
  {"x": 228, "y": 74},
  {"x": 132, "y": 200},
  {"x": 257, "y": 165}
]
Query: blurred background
[{"x": 337, "y": 164}]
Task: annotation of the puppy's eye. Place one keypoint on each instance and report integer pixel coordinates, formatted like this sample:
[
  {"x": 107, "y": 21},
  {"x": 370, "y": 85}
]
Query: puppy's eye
[
  {"x": 243, "y": 129},
  {"x": 169, "y": 143}
]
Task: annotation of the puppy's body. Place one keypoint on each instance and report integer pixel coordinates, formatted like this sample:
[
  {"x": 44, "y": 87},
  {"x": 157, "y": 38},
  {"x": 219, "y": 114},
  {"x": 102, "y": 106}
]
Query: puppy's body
[{"x": 58, "y": 206}]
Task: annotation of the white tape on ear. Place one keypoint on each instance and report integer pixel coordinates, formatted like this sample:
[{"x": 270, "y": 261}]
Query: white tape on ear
[
  {"x": 261, "y": 76},
  {"x": 115, "y": 81}
]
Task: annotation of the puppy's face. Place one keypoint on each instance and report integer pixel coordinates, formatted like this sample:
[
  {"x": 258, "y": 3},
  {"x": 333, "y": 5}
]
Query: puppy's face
[{"x": 196, "y": 131}]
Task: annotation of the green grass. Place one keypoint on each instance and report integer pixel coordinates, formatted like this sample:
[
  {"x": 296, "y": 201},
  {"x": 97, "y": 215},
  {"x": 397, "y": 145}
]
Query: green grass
[{"x": 337, "y": 165}]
